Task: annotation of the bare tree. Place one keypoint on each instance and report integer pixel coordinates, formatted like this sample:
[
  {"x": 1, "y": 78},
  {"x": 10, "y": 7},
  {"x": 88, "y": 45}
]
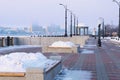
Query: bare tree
[{"x": 110, "y": 29}]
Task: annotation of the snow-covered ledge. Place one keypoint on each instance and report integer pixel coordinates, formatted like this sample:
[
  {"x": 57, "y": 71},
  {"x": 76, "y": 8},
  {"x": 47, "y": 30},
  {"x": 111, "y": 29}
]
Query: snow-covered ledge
[{"x": 61, "y": 47}]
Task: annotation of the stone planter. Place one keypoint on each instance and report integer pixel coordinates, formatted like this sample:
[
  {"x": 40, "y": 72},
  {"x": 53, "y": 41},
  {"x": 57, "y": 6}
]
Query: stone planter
[
  {"x": 33, "y": 73},
  {"x": 47, "y": 49}
]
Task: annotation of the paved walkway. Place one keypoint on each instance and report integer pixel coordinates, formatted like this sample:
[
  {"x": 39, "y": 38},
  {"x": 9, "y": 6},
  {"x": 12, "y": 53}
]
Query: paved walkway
[{"x": 104, "y": 62}]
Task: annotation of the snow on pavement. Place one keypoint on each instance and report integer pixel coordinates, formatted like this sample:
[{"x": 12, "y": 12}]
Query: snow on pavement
[
  {"x": 74, "y": 75},
  {"x": 86, "y": 51}
]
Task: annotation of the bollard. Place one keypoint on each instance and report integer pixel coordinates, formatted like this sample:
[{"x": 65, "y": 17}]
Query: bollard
[
  {"x": 3, "y": 42},
  {"x": 8, "y": 40},
  {"x": 12, "y": 41}
]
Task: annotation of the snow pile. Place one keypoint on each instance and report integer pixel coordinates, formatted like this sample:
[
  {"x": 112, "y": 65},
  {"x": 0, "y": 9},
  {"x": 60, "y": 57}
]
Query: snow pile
[
  {"x": 115, "y": 39},
  {"x": 62, "y": 44},
  {"x": 19, "y": 61},
  {"x": 74, "y": 75}
]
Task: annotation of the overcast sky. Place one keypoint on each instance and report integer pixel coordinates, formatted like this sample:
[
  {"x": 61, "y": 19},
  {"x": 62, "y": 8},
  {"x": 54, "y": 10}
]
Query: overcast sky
[{"x": 46, "y": 12}]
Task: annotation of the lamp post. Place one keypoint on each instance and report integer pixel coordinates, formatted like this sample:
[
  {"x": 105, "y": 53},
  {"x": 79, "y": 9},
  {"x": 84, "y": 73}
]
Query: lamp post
[
  {"x": 65, "y": 19},
  {"x": 102, "y": 22},
  {"x": 111, "y": 32},
  {"x": 103, "y": 28},
  {"x": 74, "y": 23},
  {"x": 77, "y": 27},
  {"x": 70, "y": 22},
  {"x": 105, "y": 31},
  {"x": 118, "y": 3},
  {"x": 71, "y": 25},
  {"x": 99, "y": 35}
]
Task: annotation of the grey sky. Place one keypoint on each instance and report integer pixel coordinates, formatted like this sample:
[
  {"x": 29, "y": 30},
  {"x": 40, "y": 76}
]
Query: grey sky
[{"x": 46, "y": 12}]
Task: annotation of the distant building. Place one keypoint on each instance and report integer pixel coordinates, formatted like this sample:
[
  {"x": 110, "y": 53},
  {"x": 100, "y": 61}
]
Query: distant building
[
  {"x": 37, "y": 29},
  {"x": 25, "y": 29},
  {"x": 13, "y": 28},
  {"x": 54, "y": 30}
]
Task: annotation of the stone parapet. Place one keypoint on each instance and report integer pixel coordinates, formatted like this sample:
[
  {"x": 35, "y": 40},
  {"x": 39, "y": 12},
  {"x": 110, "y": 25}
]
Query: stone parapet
[{"x": 46, "y": 41}]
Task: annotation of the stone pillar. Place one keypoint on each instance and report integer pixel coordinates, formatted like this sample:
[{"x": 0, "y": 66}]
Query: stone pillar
[
  {"x": 3, "y": 41},
  {"x": 12, "y": 41},
  {"x": 87, "y": 30},
  {"x": 76, "y": 30},
  {"x": 79, "y": 31},
  {"x": 8, "y": 40},
  {"x": 84, "y": 31}
]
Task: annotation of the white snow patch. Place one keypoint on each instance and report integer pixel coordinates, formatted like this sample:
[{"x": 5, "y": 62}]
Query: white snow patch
[
  {"x": 19, "y": 61},
  {"x": 89, "y": 46},
  {"x": 115, "y": 39},
  {"x": 62, "y": 44},
  {"x": 74, "y": 75},
  {"x": 85, "y": 51}
]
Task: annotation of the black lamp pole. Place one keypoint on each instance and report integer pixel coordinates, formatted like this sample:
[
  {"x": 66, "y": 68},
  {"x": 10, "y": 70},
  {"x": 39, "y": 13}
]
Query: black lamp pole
[
  {"x": 95, "y": 32},
  {"x": 99, "y": 35},
  {"x": 103, "y": 29},
  {"x": 71, "y": 25},
  {"x": 74, "y": 24},
  {"x": 118, "y": 3},
  {"x": 119, "y": 22},
  {"x": 77, "y": 27},
  {"x": 65, "y": 19}
]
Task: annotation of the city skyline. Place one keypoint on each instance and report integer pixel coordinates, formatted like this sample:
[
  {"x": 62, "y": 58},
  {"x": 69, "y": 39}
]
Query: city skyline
[{"x": 28, "y": 12}]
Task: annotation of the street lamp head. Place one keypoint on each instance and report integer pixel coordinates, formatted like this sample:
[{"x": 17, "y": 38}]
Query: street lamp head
[
  {"x": 60, "y": 4},
  {"x": 118, "y": 3},
  {"x": 65, "y": 6},
  {"x": 99, "y": 25}
]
